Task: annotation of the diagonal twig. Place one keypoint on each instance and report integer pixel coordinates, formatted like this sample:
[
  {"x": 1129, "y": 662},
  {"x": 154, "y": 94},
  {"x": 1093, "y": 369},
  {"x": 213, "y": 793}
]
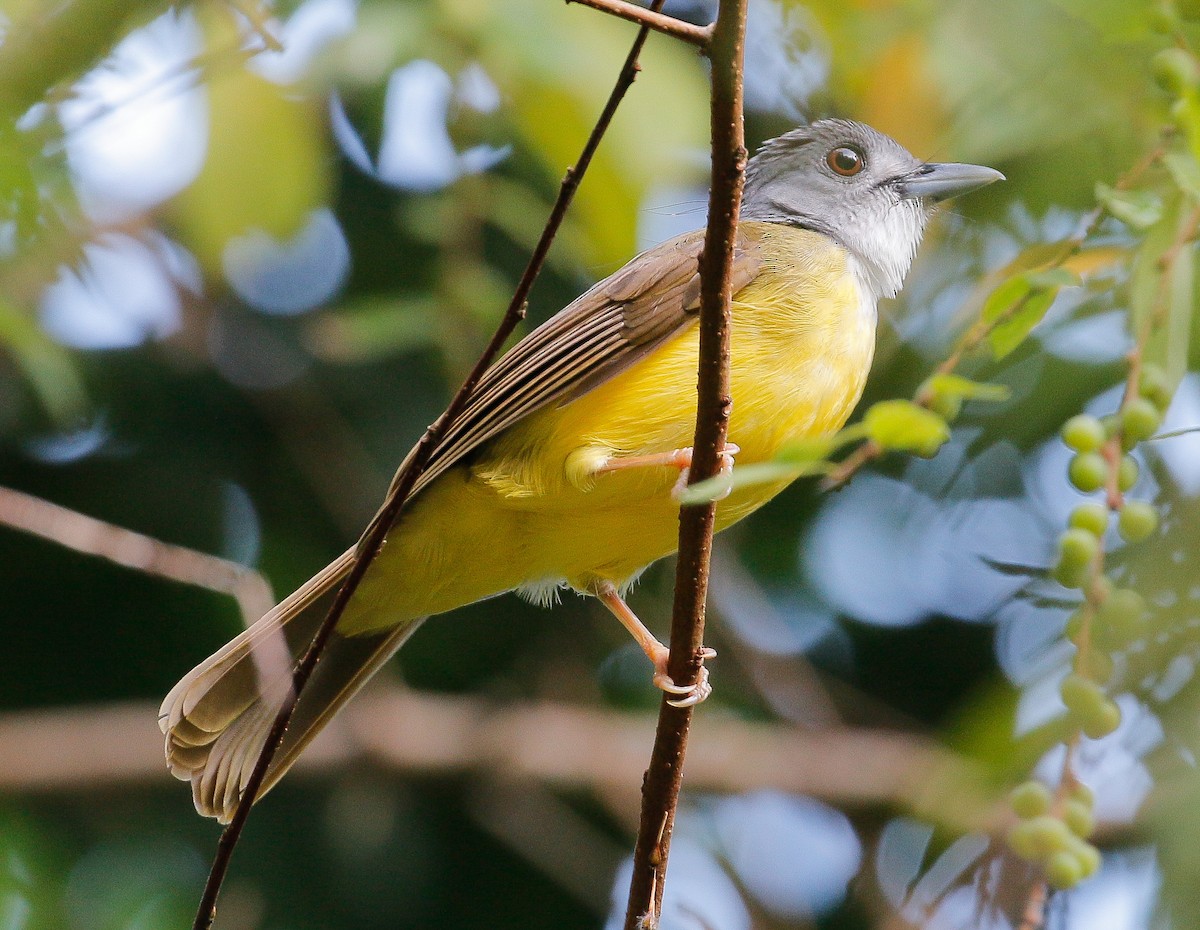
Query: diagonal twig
[{"x": 404, "y": 482}]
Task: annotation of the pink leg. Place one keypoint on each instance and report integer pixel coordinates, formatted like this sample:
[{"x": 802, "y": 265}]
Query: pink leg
[
  {"x": 676, "y": 458},
  {"x": 690, "y": 695}
]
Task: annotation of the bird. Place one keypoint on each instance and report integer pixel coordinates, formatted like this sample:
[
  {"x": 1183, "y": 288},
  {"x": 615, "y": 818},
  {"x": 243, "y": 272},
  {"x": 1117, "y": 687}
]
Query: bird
[{"x": 564, "y": 468}]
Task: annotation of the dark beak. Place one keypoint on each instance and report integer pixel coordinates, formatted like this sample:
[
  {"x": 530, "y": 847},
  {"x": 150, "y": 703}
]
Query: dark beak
[{"x": 941, "y": 182}]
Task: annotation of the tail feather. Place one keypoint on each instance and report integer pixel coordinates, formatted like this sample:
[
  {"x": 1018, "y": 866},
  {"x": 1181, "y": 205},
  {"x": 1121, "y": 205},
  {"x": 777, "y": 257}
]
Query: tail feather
[{"x": 216, "y": 720}]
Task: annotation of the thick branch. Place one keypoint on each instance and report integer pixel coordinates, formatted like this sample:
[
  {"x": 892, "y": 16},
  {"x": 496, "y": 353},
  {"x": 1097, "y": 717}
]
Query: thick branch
[
  {"x": 660, "y": 789},
  {"x": 402, "y": 486},
  {"x": 700, "y": 36},
  {"x": 101, "y": 746}
]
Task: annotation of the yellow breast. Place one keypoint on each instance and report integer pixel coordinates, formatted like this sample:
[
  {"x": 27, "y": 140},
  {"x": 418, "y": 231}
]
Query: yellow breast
[{"x": 803, "y": 336}]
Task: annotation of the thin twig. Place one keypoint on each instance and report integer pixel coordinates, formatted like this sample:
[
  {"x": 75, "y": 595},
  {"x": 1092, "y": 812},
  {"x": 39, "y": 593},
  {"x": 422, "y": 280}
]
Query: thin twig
[
  {"x": 401, "y": 487},
  {"x": 1035, "y": 906},
  {"x": 137, "y": 551},
  {"x": 660, "y": 789},
  {"x": 699, "y": 36}
]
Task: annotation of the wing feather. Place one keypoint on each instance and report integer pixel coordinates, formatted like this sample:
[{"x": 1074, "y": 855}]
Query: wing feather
[{"x": 601, "y": 333}]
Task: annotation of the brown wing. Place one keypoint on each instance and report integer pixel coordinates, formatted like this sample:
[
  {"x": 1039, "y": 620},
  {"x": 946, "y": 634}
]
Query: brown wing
[
  {"x": 601, "y": 333},
  {"x": 217, "y": 718}
]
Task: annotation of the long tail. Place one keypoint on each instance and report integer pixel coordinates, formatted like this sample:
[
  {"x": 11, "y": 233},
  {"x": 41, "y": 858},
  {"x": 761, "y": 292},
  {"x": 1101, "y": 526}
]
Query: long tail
[{"x": 217, "y": 718}]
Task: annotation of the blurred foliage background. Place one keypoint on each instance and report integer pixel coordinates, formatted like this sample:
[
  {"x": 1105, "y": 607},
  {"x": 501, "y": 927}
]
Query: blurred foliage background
[{"x": 246, "y": 254}]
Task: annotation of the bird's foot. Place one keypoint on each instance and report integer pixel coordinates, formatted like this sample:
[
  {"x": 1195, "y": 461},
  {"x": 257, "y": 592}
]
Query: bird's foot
[
  {"x": 684, "y": 458},
  {"x": 685, "y": 695}
]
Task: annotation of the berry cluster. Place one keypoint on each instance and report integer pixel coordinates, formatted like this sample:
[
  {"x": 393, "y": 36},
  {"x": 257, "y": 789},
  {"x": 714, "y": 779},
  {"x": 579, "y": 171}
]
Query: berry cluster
[
  {"x": 1053, "y": 833},
  {"x": 1053, "y": 829}
]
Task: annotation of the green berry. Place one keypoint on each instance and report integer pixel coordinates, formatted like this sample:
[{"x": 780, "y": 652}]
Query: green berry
[
  {"x": 1154, "y": 386},
  {"x": 1088, "y": 471},
  {"x": 1140, "y": 419},
  {"x": 1127, "y": 473},
  {"x": 1104, "y": 721},
  {"x": 1092, "y": 516},
  {"x": 1083, "y": 433},
  {"x": 1070, "y": 575},
  {"x": 1078, "y": 547},
  {"x": 1050, "y": 835},
  {"x": 1121, "y": 619},
  {"x": 1096, "y": 665},
  {"x": 1083, "y": 794},
  {"x": 1079, "y": 819},
  {"x": 1031, "y": 799},
  {"x": 1175, "y": 71},
  {"x": 1137, "y": 520},
  {"x": 1089, "y": 858},
  {"x": 1023, "y": 839},
  {"x": 1064, "y": 870},
  {"x": 1083, "y": 697}
]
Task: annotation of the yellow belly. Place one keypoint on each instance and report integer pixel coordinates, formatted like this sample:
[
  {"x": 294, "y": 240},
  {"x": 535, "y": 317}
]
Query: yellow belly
[{"x": 802, "y": 342}]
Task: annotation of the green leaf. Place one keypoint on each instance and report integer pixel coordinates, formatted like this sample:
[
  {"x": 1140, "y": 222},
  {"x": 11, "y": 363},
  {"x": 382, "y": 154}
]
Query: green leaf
[
  {"x": 744, "y": 476},
  {"x": 1162, "y": 299},
  {"x": 905, "y": 426},
  {"x": 267, "y": 166},
  {"x": 1185, "y": 171},
  {"x": 1113, "y": 20},
  {"x": 1140, "y": 209},
  {"x": 1019, "y": 304},
  {"x": 949, "y": 385},
  {"x": 372, "y": 328},
  {"x": 49, "y": 367},
  {"x": 811, "y": 449}
]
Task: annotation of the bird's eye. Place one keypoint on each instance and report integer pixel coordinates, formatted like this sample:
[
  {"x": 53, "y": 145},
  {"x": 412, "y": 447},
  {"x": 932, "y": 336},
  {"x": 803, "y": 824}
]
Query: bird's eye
[{"x": 845, "y": 161}]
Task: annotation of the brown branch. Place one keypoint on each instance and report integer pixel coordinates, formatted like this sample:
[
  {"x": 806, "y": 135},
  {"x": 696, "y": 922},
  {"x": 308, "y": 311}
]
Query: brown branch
[
  {"x": 699, "y": 36},
  {"x": 1035, "y": 906},
  {"x": 99, "y": 747},
  {"x": 137, "y": 551},
  {"x": 403, "y": 484},
  {"x": 660, "y": 788}
]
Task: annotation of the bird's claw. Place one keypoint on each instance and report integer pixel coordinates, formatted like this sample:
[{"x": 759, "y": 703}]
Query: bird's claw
[
  {"x": 726, "y": 469},
  {"x": 687, "y": 695}
]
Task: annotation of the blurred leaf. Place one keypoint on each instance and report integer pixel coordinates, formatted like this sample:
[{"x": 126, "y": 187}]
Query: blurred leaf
[
  {"x": 1115, "y": 20},
  {"x": 1018, "y": 305},
  {"x": 1162, "y": 298},
  {"x": 558, "y": 67},
  {"x": 266, "y": 167},
  {"x": 514, "y": 210},
  {"x": 1186, "y": 113},
  {"x": 47, "y": 365},
  {"x": 904, "y": 426},
  {"x": 950, "y": 385},
  {"x": 48, "y": 44},
  {"x": 815, "y": 448},
  {"x": 373, "y": 327},
  {"x": 1139, "y": 208},
  {"x": 1185, "y": 171},
  {"x": 744, "y": 476}
]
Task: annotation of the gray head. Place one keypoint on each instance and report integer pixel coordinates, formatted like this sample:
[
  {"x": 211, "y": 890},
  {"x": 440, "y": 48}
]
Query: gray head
[{"x": 857, "y": 186}]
